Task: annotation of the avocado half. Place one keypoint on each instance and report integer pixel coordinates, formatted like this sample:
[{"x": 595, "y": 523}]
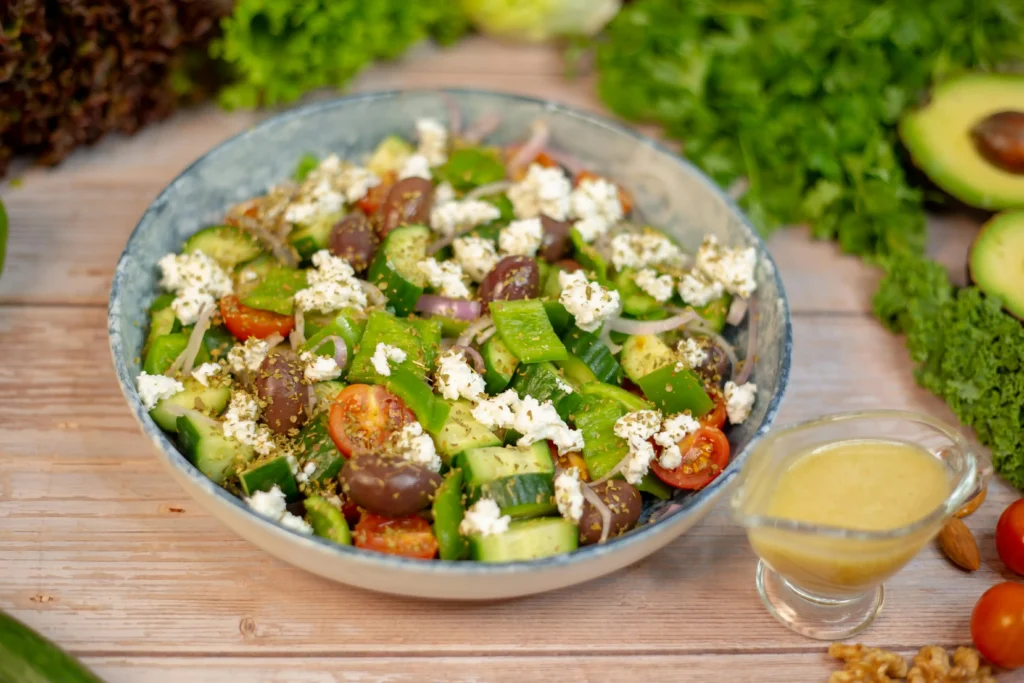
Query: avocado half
[
  {"x": 939, "y": 137},
  {"x": 997, "y": 260}
]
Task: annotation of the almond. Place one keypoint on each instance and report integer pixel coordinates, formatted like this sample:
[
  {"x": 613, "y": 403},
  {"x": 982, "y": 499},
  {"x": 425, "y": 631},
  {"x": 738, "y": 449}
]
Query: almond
[
  {"x": 971, "y": 506},
  {"x": 957, "y": 541}
]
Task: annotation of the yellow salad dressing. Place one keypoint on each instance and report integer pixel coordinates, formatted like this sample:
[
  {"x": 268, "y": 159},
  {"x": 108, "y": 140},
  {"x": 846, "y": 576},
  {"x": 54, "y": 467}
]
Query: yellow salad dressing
[{"x": 860, "y": 485}]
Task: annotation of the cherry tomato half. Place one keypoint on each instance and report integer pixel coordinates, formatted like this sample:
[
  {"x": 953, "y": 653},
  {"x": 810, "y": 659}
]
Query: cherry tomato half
[
  {"x": 625, "y": 198},
  {"x": 705, "y": 455},
  {"x": 406, "y": 536},
  {"x": 997, "y": 625},
  {"x": 363, "y": 417},
  {"x": 1010, "y": 537},
  {"x": 376, "y": 195},
  {"x": 566, "y": 460},
  {"x": 716, "y": 416},
  {"x": 244, "y": 322}
]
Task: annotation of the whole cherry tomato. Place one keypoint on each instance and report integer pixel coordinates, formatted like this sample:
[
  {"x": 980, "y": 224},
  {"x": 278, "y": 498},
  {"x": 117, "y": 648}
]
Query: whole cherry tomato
[
  {"x": 1010, "y": 537},
  {"x": 997, "y": 625}
]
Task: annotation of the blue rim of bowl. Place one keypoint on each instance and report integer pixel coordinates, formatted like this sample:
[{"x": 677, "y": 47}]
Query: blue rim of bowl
[{"x": 584, "y": 554}]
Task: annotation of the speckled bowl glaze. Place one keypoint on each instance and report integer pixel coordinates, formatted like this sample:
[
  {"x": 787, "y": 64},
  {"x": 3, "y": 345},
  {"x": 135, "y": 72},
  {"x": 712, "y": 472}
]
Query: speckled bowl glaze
[{"x": 672, "y": 195}]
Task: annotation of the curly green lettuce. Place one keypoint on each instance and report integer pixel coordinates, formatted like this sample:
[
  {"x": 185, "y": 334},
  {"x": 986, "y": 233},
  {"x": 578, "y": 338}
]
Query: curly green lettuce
[
  {"x": 280, "y": 49},
  {"x": 967, "y": 349}
]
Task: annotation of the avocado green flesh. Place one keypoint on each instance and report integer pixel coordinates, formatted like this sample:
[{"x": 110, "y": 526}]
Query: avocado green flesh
[
  {"x": 938, "y": 136},
  {"x": 997, "y": 260}
]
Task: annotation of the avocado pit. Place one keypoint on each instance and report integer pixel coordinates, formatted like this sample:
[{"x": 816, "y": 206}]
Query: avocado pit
[{"x": 999, "y": 138}]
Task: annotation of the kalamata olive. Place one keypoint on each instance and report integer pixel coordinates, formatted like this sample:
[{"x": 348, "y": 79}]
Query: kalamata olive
[
  {"x": 409, "y": 201},
  {"x": 715, "y": 367},
  {"x": 555, "y": 243},
  {"x": 568, "y": 265},
  {"x": 354, "y": 239},
  {"x": 1000, "y": 139},
  {"x": 622, "y": 499},
  {"x": 279, "y": 385},
  {"x": 388, "y": 486},
  {"x": 514, "y": 277}
]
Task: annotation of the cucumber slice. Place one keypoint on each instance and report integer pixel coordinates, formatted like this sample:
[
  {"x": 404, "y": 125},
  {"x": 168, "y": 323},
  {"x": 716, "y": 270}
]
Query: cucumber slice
[
  {"x": 715, "y": 312},
  {"x": 543, "y": 382},
  {"x": 327, "y": 520},
  {"x": 316, "y": 445},
  {"x": 462, "y": 432},
  {"x": 588, "y": 257},
  {"x": 311, "y": 237},
  {"x": 525, "y": 328},
  {"x": 521, "y": 495},
  {"x": 204, "y": 444},
  {"x": 577, "y": 371},
  {"x": 594, "y": 353},
  {"x": 642, "y": 354},
  {"x": 499, "y": 364},
  {"x": 634, "y": 300},
  {"x": 27, "y": 657},
  {"x": 394, "y": 270},
  {"x": 448, "y": 513},
  {"x": 527, "y": 539},
  {"x": 265, "y": 474},
  {"x": 211, "y": 401},
  {"x": 161, "y": 322},
  {"x": 482, "y": 465},
  {"x": 225, "y": 244}
]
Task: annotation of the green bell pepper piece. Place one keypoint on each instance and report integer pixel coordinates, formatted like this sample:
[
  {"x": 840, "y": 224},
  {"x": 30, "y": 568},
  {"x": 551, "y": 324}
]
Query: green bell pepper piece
[
  {"x": 431, "y": 410},
  {"x": 418, "y": 338},
  {"x": 327, "y": 520},
  {"x": 626, "y": 399},
  {"x": 558, "y": 315},
  {"x": 348, "y": 324},
  {"x": 277, "y": 290},
  {"x": 218, "y": 341},
  {"x": 525, "y": 328},
  {"x": 165, "y": 349},
  {"x": 448, "y": 513},
  {"x": 587, "y": 256},
  {"x": 635, "y": 301},
  {"x": 676, "y": 390},
  {"x": 471, "y": 167}
]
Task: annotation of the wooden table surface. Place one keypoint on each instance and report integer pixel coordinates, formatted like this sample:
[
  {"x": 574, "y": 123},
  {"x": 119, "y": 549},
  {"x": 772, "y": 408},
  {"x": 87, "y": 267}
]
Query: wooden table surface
[{"x": 105, "y": 554}]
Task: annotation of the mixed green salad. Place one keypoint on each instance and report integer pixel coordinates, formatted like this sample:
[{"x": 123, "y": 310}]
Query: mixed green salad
[{"x": 451, "y": 350}]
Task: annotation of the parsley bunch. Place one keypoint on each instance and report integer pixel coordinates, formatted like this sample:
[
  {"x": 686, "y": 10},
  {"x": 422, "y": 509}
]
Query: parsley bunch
[
  {"x": 801, "y": 97},
  {"x": 280, "y": 49},
  {"x": 968, "y": 350}
]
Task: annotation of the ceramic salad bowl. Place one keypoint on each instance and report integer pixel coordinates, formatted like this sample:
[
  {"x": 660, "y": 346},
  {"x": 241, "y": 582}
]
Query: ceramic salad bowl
[{"x": 670, "y": 193}]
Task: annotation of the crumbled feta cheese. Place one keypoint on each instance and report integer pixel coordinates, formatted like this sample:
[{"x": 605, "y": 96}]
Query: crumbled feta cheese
[
  {"x": 155, "y": 388},
  {"x": 455, "y": 378},
  {"x": 307, "y": 471},
  {"x": 698, "y": 290},
  {"x": 476, "y": 255},
  {"x": 596, "y": 206},
  {"x": 433, "y": 141},
  {"x": 733, "y": 268},
  {"x": 589, "y": 302},
  {"x": 383, "y": 354},
  {"x": 453, "y": 217},
  {"x": 205, "y": 372},
  {"x": 333, "y": 285},
  {"x": 416, "y": 166},
  {"x": 563, "y": 385},
  {"x": 445, "y": 193},
  {"x": 636, "y": 428},
  {"x": 543, "y": 191},
  {"x": 327, "y": 188},
  {"x": 319, "y": 368},
  {"x": 413, "y": 445},
  {"x": 248, "y": 357},
  {"x": 356, "y": 181},
  {"x": 484, "y": 518},
  {"x": 642, "y": 250},
  {"x": 197, "y": 280},
  {"x": 271, "y": 504},
  {"x": 674, "y": 430},
  {"x": 521, "y": 238},
  {"x": 739, "y": 400},
  {"x": 240, "y": 424},
  {"x": 537, "y": 421},
  {"x": 497, "y": 412},
  {"x": 691, "y": 354},
  {"x": 445, "y": 277},
  {"x": 658, "y": 286},
  {"x": 569, "y": 494},
  {"x": 320, "y": 200}
]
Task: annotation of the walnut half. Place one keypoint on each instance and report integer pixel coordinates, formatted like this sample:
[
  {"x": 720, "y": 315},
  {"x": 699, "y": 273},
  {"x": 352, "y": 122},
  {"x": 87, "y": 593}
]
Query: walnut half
[{"x": 931, "y": 665}]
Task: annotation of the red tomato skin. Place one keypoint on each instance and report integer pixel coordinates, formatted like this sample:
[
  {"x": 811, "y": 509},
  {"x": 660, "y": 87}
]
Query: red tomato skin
[
  {"x": 1010, "y": 537},
  {"x": 244, "y": 322},
  {"x": 373, "y": 410},
  {"x": 405, "y": 536},
  {"x": 997, "y": 625},
  {"x": 716, "y": 416},
  {"x": 698, "y": 480}
]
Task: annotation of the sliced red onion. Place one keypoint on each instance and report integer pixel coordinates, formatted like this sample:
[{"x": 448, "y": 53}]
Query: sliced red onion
[
  {"x": 298, "y": 334},
  {"x": 748, "y": 358},
  {"x": 474, "y": 356},
  {"x": 486, "y": 334},
  {"x": 619, "y": 466},
  {"x": 737, "y": 311},
  {"x": 484, "y": 126},
  {"x": 701, "y": 326},
  {"x": 538, "y": 140},
  {"x": 473, "y": 329},
  {"x": 187, "y": 358},
  {"x": 489, "y": 189},
  {"x": 460, "y": 309},
  {"x": 310, "y": 404},
  {"x": 273, "y": 340},
  {"x": 606, "y": 337},
  {"x": 373, "y": 293},
  {"x": 627, "y": 326},
  {"x": 340, "y": 349},
  {"x": 602, "y": 509},
  {"x": 284, "y": 253}
]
